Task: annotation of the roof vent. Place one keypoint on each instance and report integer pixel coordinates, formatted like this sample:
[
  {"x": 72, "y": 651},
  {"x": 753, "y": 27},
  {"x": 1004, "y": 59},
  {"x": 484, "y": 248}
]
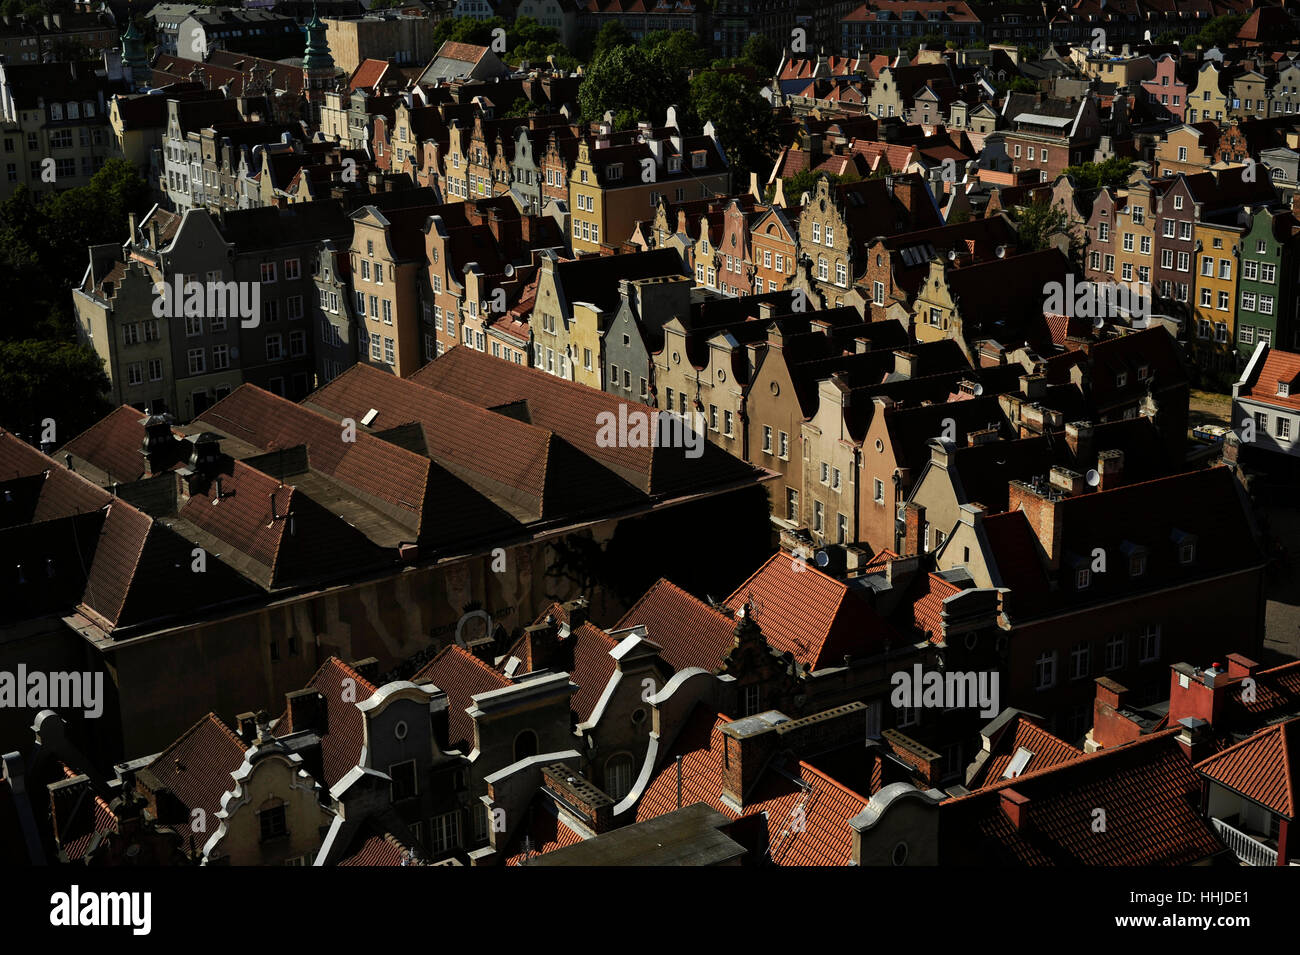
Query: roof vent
[{"x": 369, "y": 417}]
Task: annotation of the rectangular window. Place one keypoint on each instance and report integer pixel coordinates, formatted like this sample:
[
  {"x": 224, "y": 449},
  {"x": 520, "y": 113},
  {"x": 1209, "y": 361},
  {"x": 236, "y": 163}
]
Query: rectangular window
[
  {"x": 156, "y": 369},
  {"x": 446, "y": 833},
  {"x": 1149, "y": 643},
  {"x": 819, "y": 516},
  {"x": 713, "y": 417},
  {"x": 783, "y": 445},
  {"x": 1045, "y": 671},
  {"x": 197, "y": 361},
  {"x": 1115, "y": 648},
  {"x": 405, "y": 780},
  {"x": 767, "y": 439},
  {"x": 292, "y": 269},
  {"x": 1079, "y": 661},
  {"x": 268, "y": 273}
]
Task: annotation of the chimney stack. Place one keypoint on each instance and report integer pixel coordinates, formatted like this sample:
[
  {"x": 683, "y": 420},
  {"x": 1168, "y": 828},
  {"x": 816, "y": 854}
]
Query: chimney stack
[
  {"x": 1202, "y": 694},
  {"x": 1016, "y": 807},
  {"x": 543, "y": 638},
  {"x": 1110, "y": 468},
  {"x": 579, "y": 796},
  {"x": 1195, "y": 739},
  {"x": 1078, "y": 437},
  {"x": 905, "y": 364},
  {"x": 913, "y": 528},
  {"x": 1067, "y": 480},
  {"x": 1044, "y": 516},
  {"x": 307, "y": 711}
]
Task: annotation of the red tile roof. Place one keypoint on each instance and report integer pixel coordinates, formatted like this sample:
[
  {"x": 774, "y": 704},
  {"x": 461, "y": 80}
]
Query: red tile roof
[
  {"x": 1149, "y": 792},
  {"x": 544, "y": 833},
  {"x": 377, "y": 849},
  {"x": 1048, "y": 750},
  {"x": 810, "y": 614},
  {"x": 826, "y": 838},
  {"x": 1277, "y": 366},
  {"x": 1262, "y": 768},
  {"x": 573, "y": 411},
  {"x": 927, "y": 607},
  {"x": 341, "y": 744},
  {"x": 112, "y": 444},
  {"x": 592, "y": 667},
  {"x": 688, "y": 631},
  {"x": 509, "y": 460},
  {"x": 197, "y": 770},
  {"x": 460, "y": 675}
]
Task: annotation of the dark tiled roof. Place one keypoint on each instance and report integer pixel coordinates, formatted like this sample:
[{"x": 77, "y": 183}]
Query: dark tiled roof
[
  {"x": 460, "y": 675},
  {"x": 341, "y": 744},
  {"x": 197, "y": 770},
  {"x": 574, "y": 411},
  {"x": 112, "y": 444}
]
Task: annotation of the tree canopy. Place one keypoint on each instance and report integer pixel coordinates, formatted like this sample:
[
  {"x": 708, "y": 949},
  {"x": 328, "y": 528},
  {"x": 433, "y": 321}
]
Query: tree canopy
[{"x": 1090, "y": 176}]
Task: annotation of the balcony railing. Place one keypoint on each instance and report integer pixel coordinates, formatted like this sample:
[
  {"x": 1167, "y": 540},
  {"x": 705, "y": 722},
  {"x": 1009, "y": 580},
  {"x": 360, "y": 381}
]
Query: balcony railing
[{"x": 1247, "y": 848}]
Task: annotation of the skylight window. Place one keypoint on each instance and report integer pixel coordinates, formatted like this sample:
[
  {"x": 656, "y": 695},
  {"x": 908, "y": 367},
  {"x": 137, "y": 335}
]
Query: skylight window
[{"x": 1018, "y": 763}]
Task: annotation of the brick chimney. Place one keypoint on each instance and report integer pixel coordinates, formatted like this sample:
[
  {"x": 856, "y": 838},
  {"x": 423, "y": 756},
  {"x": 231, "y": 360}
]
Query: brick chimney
[
  {"x": 1066, "y": 480},
  {"x": 543, "y": 640},
  {"x": 579, "y": 796},
  {"x": 983, "y": 436},
  {"x": 576, "y": 609},
  {"x": 1033, "y": 387},
  {"x": 1110, "y": 727},
  {"x": 905, "y": 364},
  {"x": 1016, "y": 807},
  {"x": 749, "y": 744},
  {"x": 1240, "y": 666},
  {"x": 1044, "y": 515},
  {"x": 1078, "y": 438},
  {"x": 1110, "y": 469},
  {"x": 913, "y": 528},
  {"x": 1202, "y": 694},
  {"x": 307, "y": 711}
]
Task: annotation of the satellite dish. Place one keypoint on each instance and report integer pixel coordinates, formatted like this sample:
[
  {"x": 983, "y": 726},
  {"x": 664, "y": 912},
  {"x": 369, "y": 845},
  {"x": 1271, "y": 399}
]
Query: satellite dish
[
  {"x": 1099, "y": 322},
  {"x": 509, "y": 270},
  {"x": 1093, "y": 478},
  {"x": 823, "y": 558},
  {"x": 978, "y": 389}
]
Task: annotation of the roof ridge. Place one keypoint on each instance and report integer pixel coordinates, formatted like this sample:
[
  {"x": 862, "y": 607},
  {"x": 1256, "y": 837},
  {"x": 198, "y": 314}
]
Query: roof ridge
[
  {"x": 1256, "y": 737},
  {"x": 194, "y": 729},
  {"x": 486, "y": 668},
  {"x": 1058, "y": 767},
  {"x": 831, "y": 781}
]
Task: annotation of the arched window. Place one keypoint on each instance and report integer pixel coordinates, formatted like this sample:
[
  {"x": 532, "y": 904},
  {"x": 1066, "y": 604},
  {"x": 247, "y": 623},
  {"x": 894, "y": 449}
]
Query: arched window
[
  {"x": 618, "y": 776},
  {"x": 525, "y": 745}
]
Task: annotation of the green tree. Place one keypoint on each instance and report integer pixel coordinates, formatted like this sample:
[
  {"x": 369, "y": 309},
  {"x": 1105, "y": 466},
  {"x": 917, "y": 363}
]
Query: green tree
[
  {"x": 1038, "y": 223},
  {"x": 58, "y": 380},
  {"x": 742, "y": 118},
  {"x": 1091, "y": 176},
  {"x": 43, "y": 245},
  {"x": 805, "y": 180},
  {"x": 1220, "y": 32},
  {"x": 1016, "y": 84},
  {"x": 612, "y": 34},
  {"x": 676, "y": 49},
  {"x": 627, "y": 79},
  {"x": 762, "y": 54}
]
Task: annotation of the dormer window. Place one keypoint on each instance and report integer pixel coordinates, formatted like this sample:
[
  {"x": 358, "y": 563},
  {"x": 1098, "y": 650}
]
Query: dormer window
[
  {"x": 1137, "y": 558},
  {"x": 674, "y": 163},
  {"x": 1186, "y": 544},
  {"x": 1082, "y": 578},
  {"x": 698, "y": 159},
  {"x": 1144, "y": 372},
  {"x": 614, "y": 171},
  {"x": 1284, "y": 389},
  {"x": 1121, "y": 379}
]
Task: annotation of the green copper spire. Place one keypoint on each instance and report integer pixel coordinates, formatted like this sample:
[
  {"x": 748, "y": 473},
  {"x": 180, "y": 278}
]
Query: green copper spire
[
  {"x": 317, "y": 55},
  {"x": 133, "y": 54}
]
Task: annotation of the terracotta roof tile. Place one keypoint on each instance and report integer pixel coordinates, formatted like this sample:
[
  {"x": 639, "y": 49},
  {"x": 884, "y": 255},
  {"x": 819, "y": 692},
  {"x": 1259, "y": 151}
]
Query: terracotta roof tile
[
  {"x": 826, "y": 838},
  {"x": 197, "y": 770},
  {"x": 460, "y": 675},
  {"x": 810, "y": 614},
  {"x": 341, "y": 744},
  {"x": 1262, "y": 768},
  {"x": 112, "y": 444},
  {"x": 1048, "y": 751},
  {"x": 688, "y": 631},
  {"x": 1148, "y": 789}
]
